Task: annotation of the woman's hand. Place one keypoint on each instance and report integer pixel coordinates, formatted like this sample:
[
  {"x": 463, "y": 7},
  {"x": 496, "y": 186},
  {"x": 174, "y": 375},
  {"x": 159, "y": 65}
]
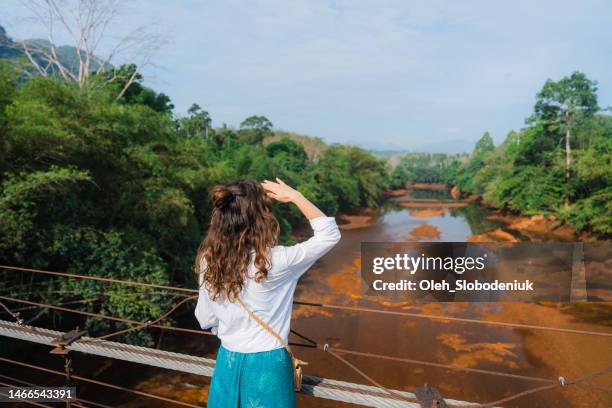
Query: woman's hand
[
  {"x": 280, "y": 191},
  {"x": 285, "y": 194}
]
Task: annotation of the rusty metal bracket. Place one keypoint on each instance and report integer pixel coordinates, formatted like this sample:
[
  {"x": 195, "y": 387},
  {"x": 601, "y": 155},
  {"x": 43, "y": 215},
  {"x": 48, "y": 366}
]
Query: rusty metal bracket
[
  {"x": 66, "y": 339},
  {"x": 69, "y": 337}
]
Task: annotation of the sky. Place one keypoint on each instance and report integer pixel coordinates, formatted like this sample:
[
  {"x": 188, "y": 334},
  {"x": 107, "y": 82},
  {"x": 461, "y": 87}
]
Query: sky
[{"x": 392, "y": 75}]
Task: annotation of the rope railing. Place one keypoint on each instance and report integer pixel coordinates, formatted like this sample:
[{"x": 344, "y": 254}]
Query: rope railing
[
  {"x": 329, "y": 306},
  {"x": 326, "y": 348},
  {"x": 311, "y": 344},
  {"x": 455, "y": 319},
  {"x": 14, "y": 315},
  {"x": 99, "y": 279},
  {"x": 71, "y": 302},
  {"x": 542, "y": 388},
  {"x": 443, "y": 366},
  {"x": 313, "y": 386},
  {"x": 552, "y": 383},
  {"x": 138, "y": 325},
  {"x": 318, "y": 387},
  {"x": 145, "y": 324},
  {"x": 105, "y": 317}
]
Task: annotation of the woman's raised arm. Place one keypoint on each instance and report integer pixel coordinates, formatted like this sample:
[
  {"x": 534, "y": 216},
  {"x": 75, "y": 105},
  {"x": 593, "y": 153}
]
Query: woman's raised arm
[
  {"x": 301, "y": 256},
  {"x": 286, "y": 194}
]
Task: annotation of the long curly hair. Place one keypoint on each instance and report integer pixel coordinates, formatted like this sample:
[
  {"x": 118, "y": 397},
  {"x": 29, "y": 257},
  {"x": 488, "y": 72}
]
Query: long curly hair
[{"x": 242, "y": 223}]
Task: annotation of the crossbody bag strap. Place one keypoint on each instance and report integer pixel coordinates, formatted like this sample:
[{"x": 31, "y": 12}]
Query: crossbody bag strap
[{"x": 265, "y": 326}]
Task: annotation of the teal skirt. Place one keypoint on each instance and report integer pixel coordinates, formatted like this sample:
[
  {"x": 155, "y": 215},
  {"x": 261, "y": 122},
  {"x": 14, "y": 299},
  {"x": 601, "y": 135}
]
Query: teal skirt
[{"x": 252, "y": 380}]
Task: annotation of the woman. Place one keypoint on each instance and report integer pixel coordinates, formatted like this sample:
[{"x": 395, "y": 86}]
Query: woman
[{"x": 239, "y": 260}]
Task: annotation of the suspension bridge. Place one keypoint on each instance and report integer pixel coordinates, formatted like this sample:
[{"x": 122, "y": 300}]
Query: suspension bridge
[{"x": 374, "y": 395}]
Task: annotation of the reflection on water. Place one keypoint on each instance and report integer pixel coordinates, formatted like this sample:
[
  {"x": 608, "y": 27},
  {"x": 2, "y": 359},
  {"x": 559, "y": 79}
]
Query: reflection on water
[
  {"x": 455, "y": 224},
  {"x": 475, "y": 216}
]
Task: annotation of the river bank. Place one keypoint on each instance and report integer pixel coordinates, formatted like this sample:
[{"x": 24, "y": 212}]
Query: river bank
[
  {"x": 512, "y": 227},
  {"x": 516, "y": 227}
]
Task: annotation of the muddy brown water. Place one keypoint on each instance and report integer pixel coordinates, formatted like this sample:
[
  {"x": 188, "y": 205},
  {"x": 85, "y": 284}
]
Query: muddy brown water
[{"x": 336, "y": 279}]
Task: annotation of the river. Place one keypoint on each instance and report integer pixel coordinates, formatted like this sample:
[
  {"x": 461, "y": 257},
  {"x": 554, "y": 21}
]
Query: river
[{"x": 336, "y": 280}]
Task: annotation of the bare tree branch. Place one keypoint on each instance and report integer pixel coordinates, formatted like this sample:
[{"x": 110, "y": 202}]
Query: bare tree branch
[{"x": 86, "y": 23}]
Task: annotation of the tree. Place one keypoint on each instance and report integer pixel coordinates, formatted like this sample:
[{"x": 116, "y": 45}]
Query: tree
[
  {"x": 255, "y": 128},
  {"x": 485, "y": 144},
  {"x": 86, "y": 23},
  {"x": 353, "y": 175},
  {"x": 256, "y": 122},
  {"x": 560, "y": 103},
  {"x": 126, "y": 83},
  {"x": 288, "y": 153},
  {"x": 8, "y": 85},
  {"x": 466, "y": 179},
  {"x": 198, "y": 122}
]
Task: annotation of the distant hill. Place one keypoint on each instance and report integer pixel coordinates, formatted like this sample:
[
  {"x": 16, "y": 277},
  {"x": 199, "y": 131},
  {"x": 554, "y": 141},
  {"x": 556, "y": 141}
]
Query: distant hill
[
  {"x": 314, "y": 146},
  {"x": 387, "y": 153},
  {"x": 12, "y": 51},
  {"x": 450, "y": 147},
  {"x": 453, "y": 146}
]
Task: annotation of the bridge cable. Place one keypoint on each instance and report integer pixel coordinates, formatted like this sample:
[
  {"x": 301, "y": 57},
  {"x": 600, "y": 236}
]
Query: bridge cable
[
  {"x": 325, "y": 348},
  {"x": 331, "y": 306}
]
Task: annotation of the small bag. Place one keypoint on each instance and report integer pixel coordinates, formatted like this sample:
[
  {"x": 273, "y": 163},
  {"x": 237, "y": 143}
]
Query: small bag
[{"x": 297, "y": 363}]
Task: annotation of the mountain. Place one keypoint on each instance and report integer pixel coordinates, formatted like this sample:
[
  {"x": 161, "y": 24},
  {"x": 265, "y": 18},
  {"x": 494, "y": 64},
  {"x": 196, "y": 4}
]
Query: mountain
[
  {"x": 7, "y": 46},
  {"x": 68, "y": 55},
  {"x": 452, "y": 146},
  {"x": 387, "y": 153}
]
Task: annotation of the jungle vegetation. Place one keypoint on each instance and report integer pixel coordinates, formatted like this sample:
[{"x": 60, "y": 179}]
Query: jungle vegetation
[{"x": 118, "y": 187}]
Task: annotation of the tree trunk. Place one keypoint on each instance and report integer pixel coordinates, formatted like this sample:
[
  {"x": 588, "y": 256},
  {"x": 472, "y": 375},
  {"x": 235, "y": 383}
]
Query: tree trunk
[{"x": 568, "y": 154}]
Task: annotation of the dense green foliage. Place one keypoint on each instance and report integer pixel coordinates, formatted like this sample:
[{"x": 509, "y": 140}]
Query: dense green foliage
[
  {"x": 426, "y": 168},
  {"x": 118, "y": 187},
  {"x": 560, "y": 164}
]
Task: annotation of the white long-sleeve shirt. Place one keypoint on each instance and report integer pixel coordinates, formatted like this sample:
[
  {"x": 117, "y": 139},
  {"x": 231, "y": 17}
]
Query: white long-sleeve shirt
[{"x": 271, "y": 300}]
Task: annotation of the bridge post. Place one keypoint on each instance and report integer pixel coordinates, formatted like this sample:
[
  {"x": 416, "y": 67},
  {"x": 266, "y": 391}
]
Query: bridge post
[
  {"x": 429, "y": 397},
  {"x": 578, "y": 285},
  {"x": 60, "y": 349}
]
